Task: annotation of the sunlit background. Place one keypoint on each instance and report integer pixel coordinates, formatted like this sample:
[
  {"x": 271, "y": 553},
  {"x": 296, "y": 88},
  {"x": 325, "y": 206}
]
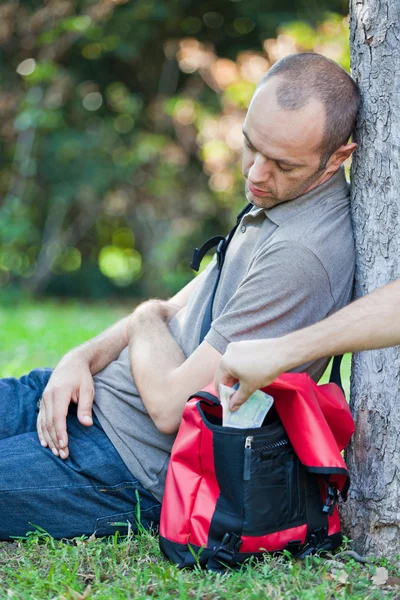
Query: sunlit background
[{"x": 120, "y": 131}]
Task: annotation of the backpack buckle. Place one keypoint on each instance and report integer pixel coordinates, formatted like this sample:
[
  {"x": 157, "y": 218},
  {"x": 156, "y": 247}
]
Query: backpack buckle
[
  {"x": 196, "y": 260},
  {"x": 228, "y": 547},
  {"x": 330, "y": 501},
  {"x": 318, "y": 537},
  {"x": 318, "y": 541}
]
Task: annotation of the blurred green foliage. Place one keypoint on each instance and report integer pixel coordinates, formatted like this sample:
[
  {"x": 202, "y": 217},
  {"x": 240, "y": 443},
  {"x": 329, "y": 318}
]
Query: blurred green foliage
[{"x": 120, "y": 132}]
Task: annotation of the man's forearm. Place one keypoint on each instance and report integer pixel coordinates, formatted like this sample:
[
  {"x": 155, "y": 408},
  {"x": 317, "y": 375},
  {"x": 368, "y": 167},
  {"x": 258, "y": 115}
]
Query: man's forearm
[
  {"x": 154, "y": 357},
  {"x": 370, "y": 322},
  {"x": 104, "y": 348}
]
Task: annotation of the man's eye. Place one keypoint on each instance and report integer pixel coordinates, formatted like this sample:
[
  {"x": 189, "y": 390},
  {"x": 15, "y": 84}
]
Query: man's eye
[
  {"x": 248, "y": 145},
  {"x": 284, "y": 170}
]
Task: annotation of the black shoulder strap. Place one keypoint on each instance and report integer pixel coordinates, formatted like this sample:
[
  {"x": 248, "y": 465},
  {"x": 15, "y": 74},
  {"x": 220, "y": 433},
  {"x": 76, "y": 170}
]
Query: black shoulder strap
[
  {"x": 198, "y": 256},
  {"x": 218, "y": 240}
]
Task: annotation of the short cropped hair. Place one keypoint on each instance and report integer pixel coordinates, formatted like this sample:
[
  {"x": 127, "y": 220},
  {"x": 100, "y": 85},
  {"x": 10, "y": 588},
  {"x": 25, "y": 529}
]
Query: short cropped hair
[{"x": 309, "y": 75}]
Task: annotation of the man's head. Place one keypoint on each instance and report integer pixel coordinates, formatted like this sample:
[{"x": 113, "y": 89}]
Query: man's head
[{"x": 297, "y": 128}]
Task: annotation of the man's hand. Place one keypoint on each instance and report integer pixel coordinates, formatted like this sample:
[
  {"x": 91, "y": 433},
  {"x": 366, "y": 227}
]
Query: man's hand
[
  {"x": 255, "y": 364},
  {"x": 71, "y": 381}
]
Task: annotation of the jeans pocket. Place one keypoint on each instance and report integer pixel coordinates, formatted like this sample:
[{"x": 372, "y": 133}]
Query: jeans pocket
[
  {"x": 144, "y": 509},
  {"x": 121, "y": 522},
  {"x": 128, "y": 521}
]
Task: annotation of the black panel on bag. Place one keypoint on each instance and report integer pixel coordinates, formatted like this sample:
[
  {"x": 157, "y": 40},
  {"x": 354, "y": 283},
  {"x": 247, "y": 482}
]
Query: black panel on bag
[
  {"x": 273, "y": 497},
  {"x": 228, "y": 463},
  {"x": 280, "y": 493},
  {"x": 316, "y": 518}
]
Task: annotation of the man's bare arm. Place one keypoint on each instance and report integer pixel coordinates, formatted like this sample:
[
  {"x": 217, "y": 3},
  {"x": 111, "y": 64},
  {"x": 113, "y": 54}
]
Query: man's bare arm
[
  {"x": 72, "y": 379},
  {"x": 370, "y": 322},
  {"x": 164, "y": 377}
]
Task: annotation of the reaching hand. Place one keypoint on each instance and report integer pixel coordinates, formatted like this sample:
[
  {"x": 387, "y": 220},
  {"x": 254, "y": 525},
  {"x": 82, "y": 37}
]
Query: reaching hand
[
  {"x": 255, "y": 364},
  {"x": 71, "y": 381}
]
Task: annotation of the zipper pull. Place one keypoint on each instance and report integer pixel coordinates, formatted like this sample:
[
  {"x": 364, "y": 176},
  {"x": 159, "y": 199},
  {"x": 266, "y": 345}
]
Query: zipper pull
[{"x": 247, "y": 458}]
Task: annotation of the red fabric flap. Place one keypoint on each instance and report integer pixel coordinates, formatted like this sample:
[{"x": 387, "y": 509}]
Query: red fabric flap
[{"x": 317, "y": 420}]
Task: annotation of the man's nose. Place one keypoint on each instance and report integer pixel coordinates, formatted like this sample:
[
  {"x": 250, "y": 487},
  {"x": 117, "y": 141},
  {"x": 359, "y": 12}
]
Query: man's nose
[{"x": 260, "y": 171}]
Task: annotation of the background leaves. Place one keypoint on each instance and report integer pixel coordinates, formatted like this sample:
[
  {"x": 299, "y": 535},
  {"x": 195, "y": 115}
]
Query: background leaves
[{"x": 120, "y": 132}]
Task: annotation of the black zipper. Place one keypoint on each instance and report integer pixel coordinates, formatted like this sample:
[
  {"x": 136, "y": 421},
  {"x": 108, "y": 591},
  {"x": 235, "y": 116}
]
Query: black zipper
[
  {"x": 250, "y": 446},
  {"x": 247, "y": 457},
  {"x": 264, "y": 446}
]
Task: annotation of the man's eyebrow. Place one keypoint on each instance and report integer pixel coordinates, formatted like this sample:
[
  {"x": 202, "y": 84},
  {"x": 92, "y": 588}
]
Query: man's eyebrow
[{"x": 284, "y": 161}]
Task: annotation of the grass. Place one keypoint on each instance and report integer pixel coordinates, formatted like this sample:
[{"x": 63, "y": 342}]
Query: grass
[
  {"x": 40, "y": 567},
  {"x": 37, "y": 335}
]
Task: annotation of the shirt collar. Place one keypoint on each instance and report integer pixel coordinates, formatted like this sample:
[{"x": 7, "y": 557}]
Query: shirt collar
[{"x": 282, "y": 212}]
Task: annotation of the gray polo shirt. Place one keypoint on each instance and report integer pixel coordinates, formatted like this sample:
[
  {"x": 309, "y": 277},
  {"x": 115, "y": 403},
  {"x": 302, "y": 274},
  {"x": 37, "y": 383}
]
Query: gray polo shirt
[{"x": 285, "y": 268}]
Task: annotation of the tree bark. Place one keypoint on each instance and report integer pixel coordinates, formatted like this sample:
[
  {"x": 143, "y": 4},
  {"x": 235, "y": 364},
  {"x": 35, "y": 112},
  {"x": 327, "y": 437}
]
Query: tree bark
[{"x": 372, "y": 512}]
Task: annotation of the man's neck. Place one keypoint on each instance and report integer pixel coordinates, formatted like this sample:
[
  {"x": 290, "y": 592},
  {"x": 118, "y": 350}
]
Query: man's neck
[{"x": 320, "y": 181}]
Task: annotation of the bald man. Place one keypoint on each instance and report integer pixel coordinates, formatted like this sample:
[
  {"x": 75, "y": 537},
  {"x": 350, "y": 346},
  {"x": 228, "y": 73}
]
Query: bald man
[{"x": 107, "y": 416}]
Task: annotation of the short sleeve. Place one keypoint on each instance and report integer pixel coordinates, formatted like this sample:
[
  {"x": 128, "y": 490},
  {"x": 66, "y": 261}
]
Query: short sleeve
[{"x": 286, "y": 288}]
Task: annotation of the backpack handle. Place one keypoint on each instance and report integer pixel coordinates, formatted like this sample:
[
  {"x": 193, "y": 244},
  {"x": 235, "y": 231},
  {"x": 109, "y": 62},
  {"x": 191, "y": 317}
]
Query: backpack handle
[
  {"x": 335, "y": 376},
  {"x": 210, "y": 398}
]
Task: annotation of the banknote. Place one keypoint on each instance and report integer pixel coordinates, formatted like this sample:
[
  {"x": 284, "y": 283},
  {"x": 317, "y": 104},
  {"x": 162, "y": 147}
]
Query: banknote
[{"x": 251, "y": 414}]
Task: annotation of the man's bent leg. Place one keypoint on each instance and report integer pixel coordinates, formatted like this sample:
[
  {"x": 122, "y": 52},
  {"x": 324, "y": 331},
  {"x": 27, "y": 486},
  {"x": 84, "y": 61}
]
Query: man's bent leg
[
  {"x": 90, "y": 492},
  {"x": 19, "y": 402}
]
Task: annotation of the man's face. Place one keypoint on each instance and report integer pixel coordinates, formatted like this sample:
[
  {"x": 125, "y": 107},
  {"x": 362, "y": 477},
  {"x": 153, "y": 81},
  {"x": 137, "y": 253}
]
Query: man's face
[{"x": 280, "y": 156}]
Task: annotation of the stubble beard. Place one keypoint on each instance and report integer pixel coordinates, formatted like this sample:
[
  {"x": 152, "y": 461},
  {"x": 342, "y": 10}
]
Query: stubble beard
[{"x": 291, "y": 194}]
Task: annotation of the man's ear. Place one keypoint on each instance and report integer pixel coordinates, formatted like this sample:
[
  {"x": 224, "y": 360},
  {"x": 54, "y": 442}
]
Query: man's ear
[{"x": 338, "y": 157}]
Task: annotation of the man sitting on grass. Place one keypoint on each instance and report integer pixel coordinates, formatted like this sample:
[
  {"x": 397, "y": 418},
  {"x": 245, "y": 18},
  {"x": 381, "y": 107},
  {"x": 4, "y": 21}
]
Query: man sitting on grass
[{"x": 107, "y": 416}]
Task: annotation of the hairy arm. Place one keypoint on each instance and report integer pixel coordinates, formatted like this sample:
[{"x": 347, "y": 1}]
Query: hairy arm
[
  {"x": 72, "y": 379},
  {"x": 368, "y": 323},
  {"x": 163, "y": 376}
]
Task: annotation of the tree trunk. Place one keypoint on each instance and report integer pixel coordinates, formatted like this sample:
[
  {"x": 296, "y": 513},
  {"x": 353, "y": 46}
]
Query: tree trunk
[{"x": 372, "y": 513}]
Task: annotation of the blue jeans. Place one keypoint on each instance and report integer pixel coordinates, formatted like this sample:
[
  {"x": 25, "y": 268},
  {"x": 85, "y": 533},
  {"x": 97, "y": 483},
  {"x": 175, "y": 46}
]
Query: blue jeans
[{"x": 91, "y": 492}]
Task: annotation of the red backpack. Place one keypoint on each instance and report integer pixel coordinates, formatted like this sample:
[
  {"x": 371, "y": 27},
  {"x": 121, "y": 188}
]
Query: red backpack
[
  {"x": 232, "y": 494},
  {"x": 235, "y": 493}
]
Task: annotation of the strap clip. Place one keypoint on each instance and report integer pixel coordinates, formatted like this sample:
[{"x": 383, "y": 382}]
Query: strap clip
[
  {"x": 318, "y": 541},
  {"x": 330, "y": 501},
  {"x": 199, "y": 253},
  {"x": 220, "y": 253},
  {"x": 228, "y": 547},
  {"x": 195, "y": 262}
]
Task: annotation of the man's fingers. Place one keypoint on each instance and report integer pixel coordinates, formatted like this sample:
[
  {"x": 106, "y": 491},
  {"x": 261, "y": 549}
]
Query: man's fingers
[
  {"x": 46, "y": 416},
  {"x": 40, "y": 432},
  {"x": 239, "y": 397},
  {"x": 54, "y": 424},
  {"x": 85, "y": 404},
  {"x": 59, "y": 429},
  {"x": 49, "y": 425},
  {"x": 224, "y": 377}
]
